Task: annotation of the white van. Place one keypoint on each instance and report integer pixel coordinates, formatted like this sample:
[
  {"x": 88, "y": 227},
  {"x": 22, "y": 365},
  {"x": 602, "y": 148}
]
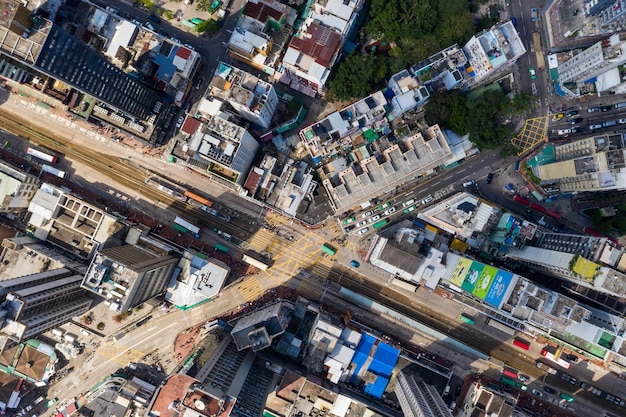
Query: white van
[
  {"x": 149, "y": 26},
  {"x": 408, "y": 203}
]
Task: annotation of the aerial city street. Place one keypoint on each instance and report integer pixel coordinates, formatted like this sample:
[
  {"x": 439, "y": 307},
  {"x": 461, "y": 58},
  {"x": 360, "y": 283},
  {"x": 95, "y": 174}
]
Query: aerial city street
[{"x": 346, "y": 208}]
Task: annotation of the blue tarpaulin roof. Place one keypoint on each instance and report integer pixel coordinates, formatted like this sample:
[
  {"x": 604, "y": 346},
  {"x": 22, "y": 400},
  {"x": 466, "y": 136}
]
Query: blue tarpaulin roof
[
  {"x": 377, "y": 388},
  {"x": 385, "y": 359},
  {"x": 362, "y": 353}
]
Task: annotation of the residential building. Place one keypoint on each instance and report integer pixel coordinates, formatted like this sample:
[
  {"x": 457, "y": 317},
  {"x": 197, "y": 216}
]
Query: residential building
[
  {"x": 252, "y": 98},
  {"x": 594, "y": 7},
  {"x": 55, "y": 297},
  {"x": 283, "y": 185},
  {"x": 419, "y": 399},
  {"x": 17, "y": 189},
  {"x": 492, "y": 51},
  {"x": 596, "y": 163},
  {"x": 118, "y": 395},
  {"x": 481, "y": 400},
  {"x": 310, "y": 56},
  {"x": 380, "y": 166},
  {"x": 447, "y": 69},
  {"x": 340, "y": 129},
  {"x": 408, "y": 93},
  {"x": 601, "y": 59},
  {"x": 340, "y": 15},
  {"x": 128, "y": 275},
  {"x": 258, "y": 329},
  {"x": 71, "y": 223},
  {"x": 200, "y": 279},
  {"x": 223, "y": 148},
  {"x": 615, "y": 15},
  {"x": 462, "y": 215},
  {"x": 263, "y": 30}
]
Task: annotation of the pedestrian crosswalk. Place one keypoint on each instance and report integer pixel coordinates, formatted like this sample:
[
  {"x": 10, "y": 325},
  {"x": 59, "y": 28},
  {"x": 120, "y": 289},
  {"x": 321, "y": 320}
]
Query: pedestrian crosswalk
[
  {"x": 119, "y": 353},
  {"x": 251, "y": 288}
]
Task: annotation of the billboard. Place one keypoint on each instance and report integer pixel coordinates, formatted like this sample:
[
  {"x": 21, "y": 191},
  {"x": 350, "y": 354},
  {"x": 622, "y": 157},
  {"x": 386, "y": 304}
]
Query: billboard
[
  {"x": 460, "y": 271},
  {"x": 498, "y": 288},
  {"x": 484, "y": 281}
]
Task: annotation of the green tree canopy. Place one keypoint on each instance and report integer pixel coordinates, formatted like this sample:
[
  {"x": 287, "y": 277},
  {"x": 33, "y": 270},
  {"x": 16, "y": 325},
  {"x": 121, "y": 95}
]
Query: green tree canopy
[{"x": 357, "y": 76}]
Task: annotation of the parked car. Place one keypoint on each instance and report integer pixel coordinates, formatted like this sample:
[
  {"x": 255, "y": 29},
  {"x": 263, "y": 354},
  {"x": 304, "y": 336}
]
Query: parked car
[
  {"x": 549, "y": 390},
  {"x": 367, "y": 214},
  {"x": 180, "y": 121},
  {"x": 349, "y": 220},
  {"x": 576, "y": 120},
  {"x": 469, "y": 183},
  {"x": 427, "y": 199},
  {"x": 606, "y": 108},
  {"x": 577, "y": 129},
  {"x": 534, "y": 14},
  {"x": 364, "y": 230},
  {"x": 355, "y": 264},
  {"x": 389, "y": 211},
  {"x": 375, "y": 218},
  {"x": 489, "y": 177},
  {"x": 572, "y": 113},
  {"x": 572, "y": 358},
  {"x": 537, "y": 393},
  {"x": 523, "y": 378},
  {"x": 408, "y": 203},
  {"x": 593, "y": 109},
  {"x": 361, "y": 224},
  {"x": 594, "y": 127},
  {"x": 410, "y": 209},
  {"x": 562, "y": 132},
  {"x": 622, "y": 121},
  {"x": 533, "y": 73}
]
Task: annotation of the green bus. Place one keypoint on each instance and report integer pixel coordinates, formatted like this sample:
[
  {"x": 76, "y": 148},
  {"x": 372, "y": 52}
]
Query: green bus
[
  {"x": 567, "y": 397},
  {"x": 196, "y": 21},
  {"x": 221, "y": 248},
  {"x": 380, "y": 224},
  {"x": 328, "y": 249},
  {"x": 466, "y": 319}
]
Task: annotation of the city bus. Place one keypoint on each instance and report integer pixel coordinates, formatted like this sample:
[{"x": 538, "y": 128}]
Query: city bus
[
  {"x": 52, "y": 170},
  {"x": 221, "y": 248},
  {"x": 380, "y": 224},
  {"x": 549, "y": 355},
  {"x": 466, "y": 319},
  {"x": 41, "y": 155},
  {"x": 184, "y": 226},
  {"x": 255, "y": 260},
  {"x": 196, "y": 198},
  {"x": 327, "y": 249},
  {"x": 521, "y": 343}
]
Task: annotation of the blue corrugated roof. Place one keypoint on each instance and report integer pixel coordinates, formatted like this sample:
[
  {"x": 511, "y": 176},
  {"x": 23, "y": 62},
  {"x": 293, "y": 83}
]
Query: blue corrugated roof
[
  {"x": 361, "y": 353},
  {"x": 384, "y": 360}
]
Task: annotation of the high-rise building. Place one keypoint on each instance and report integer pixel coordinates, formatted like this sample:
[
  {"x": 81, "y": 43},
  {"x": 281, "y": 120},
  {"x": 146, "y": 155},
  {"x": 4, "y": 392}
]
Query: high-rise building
[
  {"x": 128, "y": 275},
  {"x": 254, "y": 99},
  {"x": 17, "y": 188},
  {"x": 419, "y": 399},
  {"x": 52, "y": 298}
]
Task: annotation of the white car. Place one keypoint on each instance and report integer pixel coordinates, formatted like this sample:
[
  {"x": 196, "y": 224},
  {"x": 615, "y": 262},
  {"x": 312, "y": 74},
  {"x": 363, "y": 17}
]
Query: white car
[
  {"x": 469, "y": 183},
  {"x": 361, "y": 224},
  {"x": 408, "y": 203},
  {"x": 562, "y": 132},
  {"x": 622, "y": 121},
  {"x": 375, "y": 218},
  {"x": 367, "y": 214},
  {"x": 427, "y": 199},
  {"x": 389, "y": 211},
  {"x": 180, "y": 121},
  {"x": 364, "y": 230}
]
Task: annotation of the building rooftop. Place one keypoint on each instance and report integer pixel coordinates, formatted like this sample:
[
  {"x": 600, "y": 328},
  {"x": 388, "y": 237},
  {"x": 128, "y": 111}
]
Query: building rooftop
[
  {"x": 23, "y": 35},
  {"x": 257, "y": 329},
  {"x": 173, "y": 391}
]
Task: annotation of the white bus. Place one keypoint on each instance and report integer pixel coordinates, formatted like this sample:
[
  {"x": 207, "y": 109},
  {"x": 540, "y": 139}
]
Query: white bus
[
  {"x": 255, "y": 261},
  {"x": 41, "y": 155},
  {"x": 52, "y": 170}
]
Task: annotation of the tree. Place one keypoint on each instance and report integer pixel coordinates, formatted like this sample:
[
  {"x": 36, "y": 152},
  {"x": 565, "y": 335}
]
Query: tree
[{"x": 357, "y": 77}]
